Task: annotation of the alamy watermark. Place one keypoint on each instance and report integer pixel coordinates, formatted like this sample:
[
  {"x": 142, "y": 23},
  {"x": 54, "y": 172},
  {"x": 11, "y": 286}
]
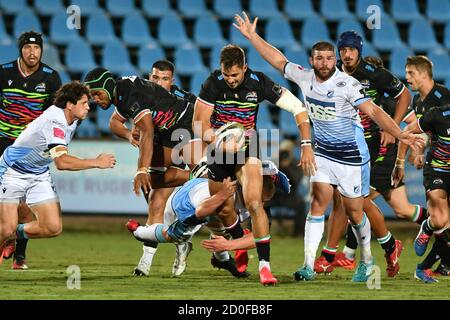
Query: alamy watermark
[
  {"x": 374, "y": 20},
  {"x": 374, "y": 280},
  {"x": 74, "y": 17},
  {"x": 73, "y": 277}
]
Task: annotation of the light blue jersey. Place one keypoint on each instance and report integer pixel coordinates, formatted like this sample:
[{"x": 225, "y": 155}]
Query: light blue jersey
[
  {"x": 338, "y": 133},
  {"x": 30, "y": 152},
  {"x": 188, "y": 197}
]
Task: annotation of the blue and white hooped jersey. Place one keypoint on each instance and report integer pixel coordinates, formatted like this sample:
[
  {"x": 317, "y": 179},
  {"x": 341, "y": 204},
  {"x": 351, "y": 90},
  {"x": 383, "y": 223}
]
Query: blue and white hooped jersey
[
  {"x": 339, "y": 135},
  {"x": 30, "y": 152},
  {"x": 186, "y": 199}
]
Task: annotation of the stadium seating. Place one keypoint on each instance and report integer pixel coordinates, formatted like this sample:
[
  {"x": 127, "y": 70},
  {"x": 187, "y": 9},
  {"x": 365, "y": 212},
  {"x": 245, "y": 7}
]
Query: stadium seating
[
  {"x": 8, "y": 52},
  {"x": 387, "y": 37},
  {"x": 87, "y": 7},
  {"x": 116, "y": 59},
  {"x": 188, "y": 60},
  {"x": 26, "y": 20},
  {"x": 79, "y": 57},
  {"x": 100, "y": 30},
  {"x": 264, "y": 9},
  {"x": 350, "y": 24},
  {"x": 156, "y": 8},
  {"x": 226, "y": 9},
  {"x": 59, "y": 33},
  {"x": 12, "y": 7},
  {"x": 297, "y": 55},
  {"x": 120, "y": 8},
  {"x": 197, "y": 80},
  {"x": 193, "y": 8},
  {"x": 438, "y": 10},
  {"x": 171, "y": 31},
  {"x": 441, "y": 64},
  {"x": 135, "y": 31},
  {"x": 207, "y": 32},
  {"x": 279, "y": 33},
  {"x": 334, "y": 10},
  {"x": 237, "y": 38},
  {"x": 103, "y": 117},
  {"x": 289, "y": 126},
  {"x": 299, "y": 9},
  {"x": 264, "y": 120},
  {"x": 421, "y": 36},
  {"x": 48, "y": 7},
  {"x": 256, "y": 62},
  {"x": 398, "y": 60},
  {"x": 314, "y": 30},
  {"x": 50, "y": 56},
  {"x": 405, "y": 11},
  {"x": 87, "y": 129},
  {"x": 4, "y": 36},
  {"x": 447, "y": 35},
  {"x": 147, "y": 55}
]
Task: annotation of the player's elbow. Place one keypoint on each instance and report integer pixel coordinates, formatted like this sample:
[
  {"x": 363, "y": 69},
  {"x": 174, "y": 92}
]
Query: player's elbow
[{"x": 60, "y": 163}]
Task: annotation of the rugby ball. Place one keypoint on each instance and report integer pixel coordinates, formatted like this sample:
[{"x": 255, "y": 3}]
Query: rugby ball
[{"x": 230, "y": 138}]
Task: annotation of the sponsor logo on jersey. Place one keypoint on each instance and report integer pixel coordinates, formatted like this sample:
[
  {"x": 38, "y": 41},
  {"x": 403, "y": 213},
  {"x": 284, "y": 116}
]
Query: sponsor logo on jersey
[
  {"x": 364, "y": 83},
  {"x": 448, "y": 131},
  {"x": 321, "y": 110},
  {"x": 58, "y": 133},
  {"x": 40, "y": 87},
  {"x": 9, "y": 82},
  {"x": 341, "y": 84},
  {"x": 330, "y": 94},
  {"x": 356, "y": 189},
  {"x": 438, "y": 181}
]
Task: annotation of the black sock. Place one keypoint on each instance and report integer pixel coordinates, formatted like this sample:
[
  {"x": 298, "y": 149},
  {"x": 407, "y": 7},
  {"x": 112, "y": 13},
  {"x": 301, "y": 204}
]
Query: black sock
[
  {"x": 21, "y": 246},
  {"x": 423, "y": 215},
  {"x": 152, "y": 244},
  {"x": 328, "y": 256},
  {"x": 389, "y": 246},
  {"x": 431, "y": 258},
  {"x": 426, "y": 228},
  {"x": 236, "y": 231},
  {"x": 263, "y": 250},
  {"x": 351, "y": 242}
]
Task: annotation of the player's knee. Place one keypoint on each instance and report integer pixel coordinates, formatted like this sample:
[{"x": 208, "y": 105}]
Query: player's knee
[
  {"x": 7, "y": 229},
  {"x": 53, "y": 229},
  {"x": 254, "y": 206}
]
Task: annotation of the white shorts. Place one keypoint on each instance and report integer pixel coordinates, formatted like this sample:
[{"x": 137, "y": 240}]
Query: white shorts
[
  {"x": 30, "y": 188},
  {"x": 351, "y": 181}
]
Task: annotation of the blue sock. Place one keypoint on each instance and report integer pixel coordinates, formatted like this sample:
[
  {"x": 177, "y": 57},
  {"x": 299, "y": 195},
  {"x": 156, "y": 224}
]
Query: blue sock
[{"x": 20, "y": 232}]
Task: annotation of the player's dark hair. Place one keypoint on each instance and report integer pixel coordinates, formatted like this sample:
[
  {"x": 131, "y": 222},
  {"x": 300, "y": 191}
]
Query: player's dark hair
[
  {"x": 232, "y": 55},
  {"x": 376, "y": 61},
  {"x": 422, "y": 63},
  {"x": 164, "y": 65},
  {"x": 70, "y": 92},
  {"x": 322, "y": 46}
]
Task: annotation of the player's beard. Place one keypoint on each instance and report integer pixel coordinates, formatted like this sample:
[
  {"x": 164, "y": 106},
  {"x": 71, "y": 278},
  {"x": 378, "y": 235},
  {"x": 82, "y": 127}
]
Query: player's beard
[{"x": 322, "y": 74}]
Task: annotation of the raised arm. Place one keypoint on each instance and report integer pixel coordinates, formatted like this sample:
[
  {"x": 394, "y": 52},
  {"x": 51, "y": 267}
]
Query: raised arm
[{"x": 271, "y": 54}]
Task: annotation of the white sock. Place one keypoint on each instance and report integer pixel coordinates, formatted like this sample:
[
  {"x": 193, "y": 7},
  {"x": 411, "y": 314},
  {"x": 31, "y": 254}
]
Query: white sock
[
  {"x": 222, "y": 256},
  {"x": 152, "y": 232},
  {"x": 149, "y": 253},
  {"x": 363, "y": 235},
  {"x": 349, "y": 253},
  {"x": 313, "y": 234},
  {"x": 264, "y": 263}
]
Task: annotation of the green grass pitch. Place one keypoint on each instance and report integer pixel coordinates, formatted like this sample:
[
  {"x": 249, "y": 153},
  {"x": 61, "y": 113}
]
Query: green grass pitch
[{"x": 106, "y": 260}]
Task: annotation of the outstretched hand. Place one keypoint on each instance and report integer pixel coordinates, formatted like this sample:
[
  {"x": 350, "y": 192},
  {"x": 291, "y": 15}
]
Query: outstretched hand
[
  {"x": 243, "y": 24},
  {"x": 415, "y": 141}
]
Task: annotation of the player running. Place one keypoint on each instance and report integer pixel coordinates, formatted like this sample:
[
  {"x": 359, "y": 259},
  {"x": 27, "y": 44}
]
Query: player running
[
  {"x": 24, "y": 166},
  {"x": 233, "y": 94},
  {"x": 331, "y": 97}
]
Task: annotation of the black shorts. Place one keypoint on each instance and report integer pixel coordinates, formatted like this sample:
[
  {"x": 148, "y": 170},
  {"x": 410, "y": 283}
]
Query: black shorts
[
  {"x": 381, "y": 170},
  {"x": 178, "y": 135},
  {"x": 5, "y": 143},
  {"x": 224, "y": 165},
  {"x": 373, "y": 144},
  {"x": 433, "y": 180}
]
